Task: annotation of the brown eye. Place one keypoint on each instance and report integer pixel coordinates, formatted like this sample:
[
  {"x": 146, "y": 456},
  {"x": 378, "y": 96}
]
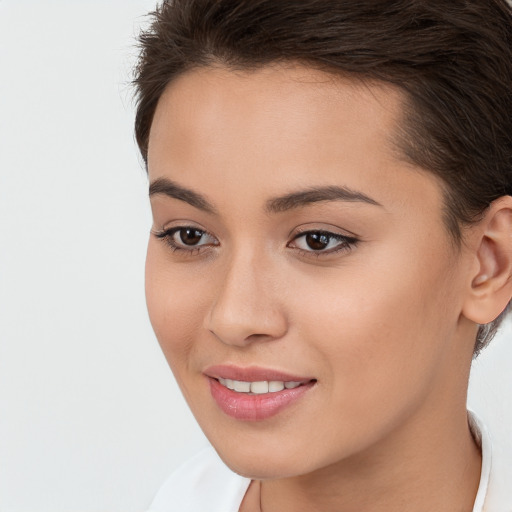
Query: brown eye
[
  {"x": 317, "y": 241},
  {"x": 187, "y": 238},
  {"x": 190, "y": 236},
  {"x": 323, "y": 242}
]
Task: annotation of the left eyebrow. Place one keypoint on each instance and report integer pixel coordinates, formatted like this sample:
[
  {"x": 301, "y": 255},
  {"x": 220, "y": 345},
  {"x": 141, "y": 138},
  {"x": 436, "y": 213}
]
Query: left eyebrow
[{"x": 316, "y": 195}]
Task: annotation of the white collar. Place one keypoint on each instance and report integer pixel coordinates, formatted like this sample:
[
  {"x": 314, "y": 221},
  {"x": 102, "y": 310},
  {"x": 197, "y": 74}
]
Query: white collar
[{"x": 483, "y": 440}]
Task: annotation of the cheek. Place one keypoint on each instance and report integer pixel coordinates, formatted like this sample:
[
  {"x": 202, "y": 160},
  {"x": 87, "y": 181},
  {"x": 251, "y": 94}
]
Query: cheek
[
  {"x": 378, "y": 328},
  {"x": 174, "y": 301}
]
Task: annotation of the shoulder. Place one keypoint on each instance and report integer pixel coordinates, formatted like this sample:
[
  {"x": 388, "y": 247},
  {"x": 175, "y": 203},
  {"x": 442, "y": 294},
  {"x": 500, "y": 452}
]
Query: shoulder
[{"x": 202, "y": 483}]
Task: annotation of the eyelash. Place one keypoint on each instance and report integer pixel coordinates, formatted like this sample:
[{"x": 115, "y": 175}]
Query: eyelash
[
  {"x": 346, "y": 243},
  {"x": 167, "y": 236}
]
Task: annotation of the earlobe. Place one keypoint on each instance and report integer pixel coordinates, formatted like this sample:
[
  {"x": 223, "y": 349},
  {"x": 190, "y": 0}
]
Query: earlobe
[{"x": 491, "y": 283}]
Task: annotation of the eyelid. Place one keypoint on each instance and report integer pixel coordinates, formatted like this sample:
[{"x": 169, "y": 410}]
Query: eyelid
[
  {"x": 178, "y": 224},
  {"x": 320, "y": 227}
]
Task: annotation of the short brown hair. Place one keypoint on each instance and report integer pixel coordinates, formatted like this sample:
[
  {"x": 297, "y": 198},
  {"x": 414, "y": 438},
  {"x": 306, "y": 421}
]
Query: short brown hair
[{"x": 452, "y": 59}]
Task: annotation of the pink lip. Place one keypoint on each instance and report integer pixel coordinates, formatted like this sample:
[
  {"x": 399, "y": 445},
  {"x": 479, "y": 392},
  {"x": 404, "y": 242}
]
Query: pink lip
[
  {"x": 242, "y": 406},
  {"x": 252, "y": 374}
]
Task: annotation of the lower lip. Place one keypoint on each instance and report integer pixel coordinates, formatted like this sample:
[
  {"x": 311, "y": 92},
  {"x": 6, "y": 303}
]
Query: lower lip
[{"x": 255, "y": 407}]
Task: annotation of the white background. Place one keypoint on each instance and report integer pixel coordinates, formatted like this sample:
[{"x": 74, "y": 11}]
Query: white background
[{"x": 90, "y": 417}]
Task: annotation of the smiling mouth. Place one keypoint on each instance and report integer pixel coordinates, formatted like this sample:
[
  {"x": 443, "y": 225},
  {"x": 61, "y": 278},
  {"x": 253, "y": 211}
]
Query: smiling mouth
[
  {"x": 261, "y": 387},
  {"x": 257, "y": 400}
]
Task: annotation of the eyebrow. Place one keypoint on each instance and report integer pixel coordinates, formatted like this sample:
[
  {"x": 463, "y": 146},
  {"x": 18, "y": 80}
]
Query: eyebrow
[
  {"x": 280, "y": 204},
  {"x": 316, "y": 195},
  {"x": 169, "y": 188}
]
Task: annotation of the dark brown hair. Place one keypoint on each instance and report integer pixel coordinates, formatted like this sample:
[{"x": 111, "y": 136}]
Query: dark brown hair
[{"x": 452, "y": 59}]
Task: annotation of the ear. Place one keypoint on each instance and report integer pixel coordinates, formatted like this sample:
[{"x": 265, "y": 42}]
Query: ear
[{"x": 490, "y": 283}]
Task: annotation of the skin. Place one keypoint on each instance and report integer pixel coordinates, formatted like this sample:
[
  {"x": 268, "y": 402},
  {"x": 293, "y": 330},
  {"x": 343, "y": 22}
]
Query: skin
[{"x": 383, "y": 324}]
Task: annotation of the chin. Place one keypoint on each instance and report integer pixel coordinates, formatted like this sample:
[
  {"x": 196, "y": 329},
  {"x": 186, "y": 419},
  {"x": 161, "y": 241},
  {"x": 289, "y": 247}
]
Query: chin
[
  {"x": 261, "y": 466},
  {"x": 268, "y": 459}
]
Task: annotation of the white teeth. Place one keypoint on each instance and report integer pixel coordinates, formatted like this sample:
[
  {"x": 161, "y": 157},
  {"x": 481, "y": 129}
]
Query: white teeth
[
  {"x": 228, "y": 383},
  {"x": 241, "y": 386},
  {"x": 259, "y": 387},
  {"x": 275, "y": 385}
]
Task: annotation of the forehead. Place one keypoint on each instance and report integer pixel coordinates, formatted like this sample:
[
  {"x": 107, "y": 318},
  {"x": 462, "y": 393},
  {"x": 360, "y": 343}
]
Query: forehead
[{"x": 289, "y": 104}]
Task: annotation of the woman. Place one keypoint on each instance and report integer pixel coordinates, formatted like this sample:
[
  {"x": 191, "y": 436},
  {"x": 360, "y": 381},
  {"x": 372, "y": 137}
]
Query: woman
[{"x": 331, "y": 185}]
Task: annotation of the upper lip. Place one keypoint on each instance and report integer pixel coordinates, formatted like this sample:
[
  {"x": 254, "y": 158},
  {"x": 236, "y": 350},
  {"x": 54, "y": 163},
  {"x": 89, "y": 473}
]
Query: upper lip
[{"x": 252, "y": 374}]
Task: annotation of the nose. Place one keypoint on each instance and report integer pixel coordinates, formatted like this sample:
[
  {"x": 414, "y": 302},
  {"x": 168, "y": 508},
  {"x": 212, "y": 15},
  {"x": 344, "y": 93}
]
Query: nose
[{"x": 246, "y": 306}]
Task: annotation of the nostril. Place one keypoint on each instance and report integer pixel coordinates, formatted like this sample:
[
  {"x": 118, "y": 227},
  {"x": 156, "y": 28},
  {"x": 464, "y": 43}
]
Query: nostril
[{"x": 256, "y": 337}]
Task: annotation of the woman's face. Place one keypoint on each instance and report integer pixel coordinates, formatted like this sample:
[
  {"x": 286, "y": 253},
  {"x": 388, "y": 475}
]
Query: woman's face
[{"x": 291, "y": 244}]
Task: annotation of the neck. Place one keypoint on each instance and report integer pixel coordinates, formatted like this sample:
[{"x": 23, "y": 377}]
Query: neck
[{"x": 426, "y": 466}]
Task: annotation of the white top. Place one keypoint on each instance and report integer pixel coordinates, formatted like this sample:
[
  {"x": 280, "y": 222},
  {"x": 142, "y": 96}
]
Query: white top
[{"x": 205, "y": 483}]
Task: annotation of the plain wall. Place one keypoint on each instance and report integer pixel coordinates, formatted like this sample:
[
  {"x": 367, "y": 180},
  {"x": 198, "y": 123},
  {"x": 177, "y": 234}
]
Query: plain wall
[{"x": 91, "y": 419}]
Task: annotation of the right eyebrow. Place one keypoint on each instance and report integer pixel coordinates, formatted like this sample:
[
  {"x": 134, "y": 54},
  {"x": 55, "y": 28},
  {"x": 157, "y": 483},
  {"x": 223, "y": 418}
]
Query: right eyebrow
[{"x": 169, "y": 188}]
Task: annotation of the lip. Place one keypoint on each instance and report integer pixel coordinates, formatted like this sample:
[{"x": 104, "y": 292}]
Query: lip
[
  {"x": 244, "y": 407},
  {"x": 252, "y": 374}
]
